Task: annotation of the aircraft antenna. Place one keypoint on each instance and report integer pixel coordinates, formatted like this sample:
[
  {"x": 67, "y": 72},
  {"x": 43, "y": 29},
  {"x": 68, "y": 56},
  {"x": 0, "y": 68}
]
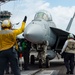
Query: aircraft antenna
[{"x": 70, "y": 23}]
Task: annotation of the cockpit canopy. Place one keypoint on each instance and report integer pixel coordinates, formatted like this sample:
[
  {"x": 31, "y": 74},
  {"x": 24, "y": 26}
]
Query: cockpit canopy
[{"x": 43, "y": 15}]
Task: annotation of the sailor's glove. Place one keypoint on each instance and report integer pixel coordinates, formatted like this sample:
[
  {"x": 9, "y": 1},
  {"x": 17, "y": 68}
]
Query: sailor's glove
[{"x": 25, "y": 19}]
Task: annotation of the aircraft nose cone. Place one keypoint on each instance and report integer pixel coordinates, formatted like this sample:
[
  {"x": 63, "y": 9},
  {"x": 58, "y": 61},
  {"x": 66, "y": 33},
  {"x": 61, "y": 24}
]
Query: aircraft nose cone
[{"x": 34, "y": 33}]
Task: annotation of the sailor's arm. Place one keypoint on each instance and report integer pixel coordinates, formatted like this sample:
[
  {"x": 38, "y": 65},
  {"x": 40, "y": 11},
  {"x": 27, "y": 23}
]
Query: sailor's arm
[
  {"x": 23, "y": 23},
  {"x": 20, "y": 30},
  {"x": 64, "y": 47}
]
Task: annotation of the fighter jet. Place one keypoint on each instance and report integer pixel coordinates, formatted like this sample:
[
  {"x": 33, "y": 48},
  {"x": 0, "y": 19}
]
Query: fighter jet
[{"x": 48, "y": 39}]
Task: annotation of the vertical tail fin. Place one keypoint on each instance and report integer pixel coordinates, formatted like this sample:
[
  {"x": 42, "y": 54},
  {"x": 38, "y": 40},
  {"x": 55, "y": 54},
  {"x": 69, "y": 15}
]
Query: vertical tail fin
[{"x": 70, "y": 23}]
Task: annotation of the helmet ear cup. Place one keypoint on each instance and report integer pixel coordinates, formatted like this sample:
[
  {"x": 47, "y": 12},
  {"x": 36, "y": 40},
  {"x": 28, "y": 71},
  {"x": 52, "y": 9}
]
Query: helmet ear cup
[{"x": 6, "y": 24}]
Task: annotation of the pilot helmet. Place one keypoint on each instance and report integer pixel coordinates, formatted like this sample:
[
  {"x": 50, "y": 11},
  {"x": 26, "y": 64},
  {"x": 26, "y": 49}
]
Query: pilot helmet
[
  {"x": 70, "y": 36},
  {"x": 6, "y": 24}
]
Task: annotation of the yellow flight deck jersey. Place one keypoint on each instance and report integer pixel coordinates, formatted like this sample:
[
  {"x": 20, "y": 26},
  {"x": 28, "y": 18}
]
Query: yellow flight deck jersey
[{"x": 8, "y": 37}]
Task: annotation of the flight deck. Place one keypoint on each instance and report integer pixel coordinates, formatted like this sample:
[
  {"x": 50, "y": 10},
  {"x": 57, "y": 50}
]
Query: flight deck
[{"x": 56, "y": 68}]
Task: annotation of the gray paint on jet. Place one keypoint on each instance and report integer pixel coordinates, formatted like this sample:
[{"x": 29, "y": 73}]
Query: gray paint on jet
[
  {"x": 42, "y": 28},
  {"x": 39, "y": 30}
]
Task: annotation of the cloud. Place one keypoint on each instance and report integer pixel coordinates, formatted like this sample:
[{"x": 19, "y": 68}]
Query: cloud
[
  {"x": 28, "y": 8},
  {"x": 60, "y": 14}
]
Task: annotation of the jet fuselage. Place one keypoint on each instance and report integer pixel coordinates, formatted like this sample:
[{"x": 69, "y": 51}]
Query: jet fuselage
[{"x": 38, "y": 31}]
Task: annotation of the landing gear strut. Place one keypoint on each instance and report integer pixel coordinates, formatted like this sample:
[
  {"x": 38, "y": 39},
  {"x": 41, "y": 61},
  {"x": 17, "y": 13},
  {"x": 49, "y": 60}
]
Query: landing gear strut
[{"x": 42, "y": 53}]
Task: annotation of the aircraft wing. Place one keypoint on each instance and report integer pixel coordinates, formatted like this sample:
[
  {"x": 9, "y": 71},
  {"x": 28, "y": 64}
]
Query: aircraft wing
[
  {"x": 59, "y": 32},
  {"x": 61, "y": 37}
]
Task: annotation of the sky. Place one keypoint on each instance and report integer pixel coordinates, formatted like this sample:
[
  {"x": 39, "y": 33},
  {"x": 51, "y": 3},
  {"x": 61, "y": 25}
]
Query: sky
[{"x": 60, "y": 10}]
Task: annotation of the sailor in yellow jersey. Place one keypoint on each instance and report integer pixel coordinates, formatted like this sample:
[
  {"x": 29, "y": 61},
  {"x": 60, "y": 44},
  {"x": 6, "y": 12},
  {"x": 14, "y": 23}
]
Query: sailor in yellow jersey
[
  {"x": 7, "y": 41},
  {"x": 69, "y": 51}
]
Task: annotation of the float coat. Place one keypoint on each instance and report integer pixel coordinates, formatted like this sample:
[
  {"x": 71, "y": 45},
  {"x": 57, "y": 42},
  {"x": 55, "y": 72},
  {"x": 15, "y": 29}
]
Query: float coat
[
  {"x": 5, "y": 42},
  {"x": 70, "y": 46}
]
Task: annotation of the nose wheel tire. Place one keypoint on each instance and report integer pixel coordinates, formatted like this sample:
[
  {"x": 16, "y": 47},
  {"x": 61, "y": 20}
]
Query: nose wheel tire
[
  {"x": 40, "y": 63},
  {"x": 32, "y": 59},
  {"x": 47, "y": 62}
]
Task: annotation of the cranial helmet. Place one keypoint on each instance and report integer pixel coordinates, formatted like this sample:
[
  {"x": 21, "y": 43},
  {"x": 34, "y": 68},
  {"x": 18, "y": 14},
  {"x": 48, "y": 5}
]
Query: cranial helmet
[
  {"x": 71, "y": 36},
  {"x": 6, "y": 24}
]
